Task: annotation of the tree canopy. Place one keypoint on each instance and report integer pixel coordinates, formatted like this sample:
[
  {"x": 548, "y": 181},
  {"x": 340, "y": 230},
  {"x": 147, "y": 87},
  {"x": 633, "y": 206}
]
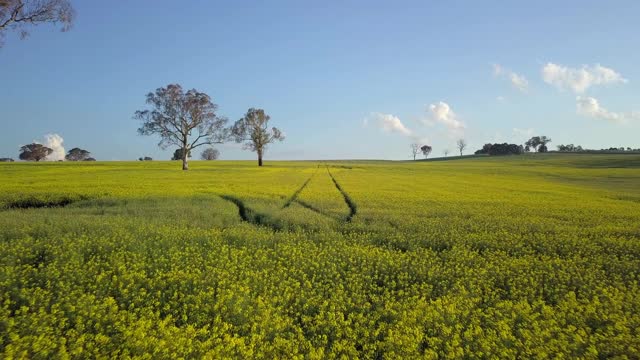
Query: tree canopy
[
  {"x": 34, "y": 152},
  {"x": 538, "y": 142},
  {"x": 426, "y": 150},
  {"x": 501, "y": 149},
  {"x": 18, "y": 14},
  {"x": 184, "y": 119},
  {"x": 210, "y": 154},
  {"x": 177, "y": 155},
  {"x": 77, "y": 154},
  {"x": 254, "y": 131}
]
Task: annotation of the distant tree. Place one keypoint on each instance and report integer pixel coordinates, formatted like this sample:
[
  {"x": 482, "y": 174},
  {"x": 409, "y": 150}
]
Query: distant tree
[
  {"x": 537, "y": 141},
  {"x": 426, "y": 150},
  {"x": 569, "y": 148},
  {"x": 415, "y": 149},
  {"x": 461, "y": 144},
  {"x": 542, "y": 148},
  {"x": 544, "y": 141},
  {"x": 77, "y": 154},
  {"x": 177, "y": 155},
  {"x": 18, "y": 14},
  {"x": 445, "y": 152},
  {"x": 89, "y": 159},
  {"x": 533, "y": 143},
  {"x": 147, "y": 158},
  {"x": 501, "y": 149},
  {"x": 6, "y": 160},
  {"x": 210, "y": 154},
  {"x": 140, "y": 159},
  {"x": 177, "y": 116},
  {"x": 253, "y": 130},
  {"x": 527, "y": 148},
  {"x": 485, "y": 149},
  {"x": 34, "y": 152}
]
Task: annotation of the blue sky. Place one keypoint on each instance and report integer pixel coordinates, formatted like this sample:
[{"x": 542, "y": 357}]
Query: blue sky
[{"x": 348, "y": 79}]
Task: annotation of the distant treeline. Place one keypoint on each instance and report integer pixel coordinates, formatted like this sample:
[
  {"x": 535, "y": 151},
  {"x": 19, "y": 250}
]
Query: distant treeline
[{"x": 578, "y": 148}]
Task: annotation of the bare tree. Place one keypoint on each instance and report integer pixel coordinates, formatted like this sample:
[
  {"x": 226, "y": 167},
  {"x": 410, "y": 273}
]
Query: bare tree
[
  {"x": 415, "y": 149},
  {"x": 445, "y": 152},
  {"x": 17, "y": 14},
  {"x": 254, "y": 131},
  {"x": 426, "y": 150},
  {"x": 34, "y": 152},
  {"x": 210, "y": 154},
  {"x": 179, "y": 117},
  {"x": 461, "y": 144}
]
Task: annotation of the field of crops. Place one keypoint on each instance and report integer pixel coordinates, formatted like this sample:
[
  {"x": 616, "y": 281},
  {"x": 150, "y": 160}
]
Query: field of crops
[{"x": 515, "y": 257}]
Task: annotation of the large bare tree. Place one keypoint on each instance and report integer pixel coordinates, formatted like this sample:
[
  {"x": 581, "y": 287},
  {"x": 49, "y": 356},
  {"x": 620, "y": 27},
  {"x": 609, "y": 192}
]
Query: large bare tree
[
  {"x": 18, "y": 14},
  {"x": 254, "y": 131},
  {"x": 186, "y": 120}
]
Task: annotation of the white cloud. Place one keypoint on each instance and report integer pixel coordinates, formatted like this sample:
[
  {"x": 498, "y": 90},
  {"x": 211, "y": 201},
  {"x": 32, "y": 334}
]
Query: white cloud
[
  {"x": 54, "y": 142},
  {"x": 391, "y": 123},
  {"x": 579, "y": 80},
  {"x": 501, "y": 98},
  {"x": 443, "y": 114},
  {"x": 518, "y": 81},
  {"x": 588, "y": 106}
]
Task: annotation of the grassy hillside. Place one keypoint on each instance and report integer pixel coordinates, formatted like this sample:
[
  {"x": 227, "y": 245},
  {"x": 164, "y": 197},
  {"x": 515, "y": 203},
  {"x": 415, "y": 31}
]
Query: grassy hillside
[{"x": 481, "y": 257}]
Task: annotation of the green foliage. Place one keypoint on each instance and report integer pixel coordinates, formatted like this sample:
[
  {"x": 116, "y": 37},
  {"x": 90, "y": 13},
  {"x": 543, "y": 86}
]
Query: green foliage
[{"x": 540, "y": 259}]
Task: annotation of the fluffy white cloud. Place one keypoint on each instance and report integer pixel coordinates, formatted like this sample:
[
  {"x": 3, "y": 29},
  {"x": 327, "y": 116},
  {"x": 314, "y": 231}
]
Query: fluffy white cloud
[
  {"x": 391, "y": 123},
  {"x": 443, "y": 114},
  {"x": 54, "y": 142},
  {"x": 588, "y": 106},
  {"x": 518, "y": 81},
  {"x": 579, "y": 80}
]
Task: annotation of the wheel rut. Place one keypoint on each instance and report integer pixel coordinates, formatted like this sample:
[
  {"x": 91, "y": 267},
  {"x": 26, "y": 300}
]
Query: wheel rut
[
  {"x": 353, "y": 208},
  {"x": 253, "y": 217},
  {"x": 294, "y": 197},
  {"x": 248, "y": 215},
  {"x": 313, "y": 208}
]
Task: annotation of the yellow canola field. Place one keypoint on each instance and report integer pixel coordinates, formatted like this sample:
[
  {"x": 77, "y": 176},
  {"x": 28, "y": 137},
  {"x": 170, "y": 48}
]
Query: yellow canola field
[{"x": 533, "y": 256}]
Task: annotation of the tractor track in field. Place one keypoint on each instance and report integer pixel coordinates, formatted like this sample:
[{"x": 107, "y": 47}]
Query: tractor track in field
[
  {"x": 250, "y": 216},
  {"x": 253, "y": 217},
  {"x": 313, "y": 208},
  {"x": 353, "y": 208},
  {"x": 294, "y": 197}
]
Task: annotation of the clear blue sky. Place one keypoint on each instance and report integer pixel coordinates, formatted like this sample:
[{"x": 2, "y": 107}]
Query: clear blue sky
[{"x": 347, "y": 79}]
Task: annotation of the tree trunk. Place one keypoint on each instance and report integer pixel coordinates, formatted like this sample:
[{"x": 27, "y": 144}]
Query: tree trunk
[
  {"x": 185, "y": 162},
  {"x": 259, "y": 158}
]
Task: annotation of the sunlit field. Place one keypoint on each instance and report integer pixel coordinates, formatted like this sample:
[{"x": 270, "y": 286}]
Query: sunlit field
[{"x": 533, "y": 256}]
